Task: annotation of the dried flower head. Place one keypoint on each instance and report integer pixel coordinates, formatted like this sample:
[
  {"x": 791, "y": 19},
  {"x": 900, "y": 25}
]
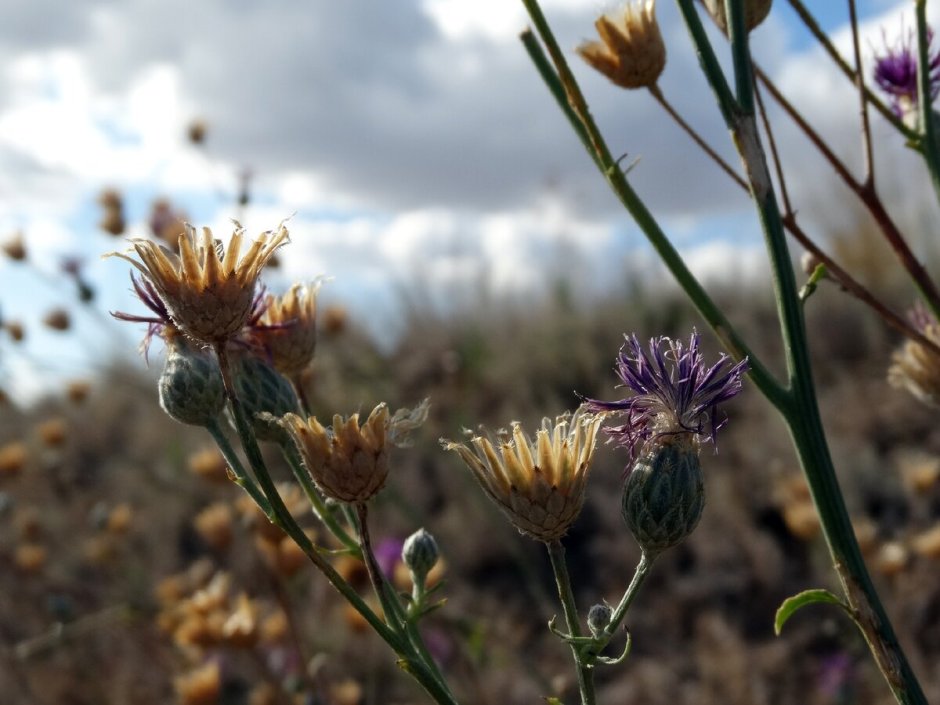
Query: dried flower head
[
  {"x": 896, "y": 73},
  {"x": 15, "y": 248},
  {"x": 539, "y": 484},
  {"x": 916, "y": 367},
  {"x": 631, "y": 52},
  {"x": 57, "y": 319},
  {"x": 674, "y": 392},
  {"x": 15, "y": 330},
  {"x": 755, "y": 12},
  {"x": 349, "y": 463},
  {"x": 201, "y": 686},
  {"x": 287, "y": 329},
  {"x": 208, "y": 291},
  {"x": 13, "y": 458},
  {"x": 196, "y": 131}
]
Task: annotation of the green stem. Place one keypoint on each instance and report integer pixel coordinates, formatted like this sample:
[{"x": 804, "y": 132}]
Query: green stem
[
  {"x": 707, "y": 59},
  {"x": 931, "y": 148},
  {"x": 579, "y": 113},
  {"x": 242, "y": 478},
  {"x": 740, "y": 55},
  {"x": 316, "y": 500},
  {"x": 556, "y": 553},
  {"x": 803, "y": 419},
  {"x": 642, "y": 571},
  {"x": 394, "y": 611}
]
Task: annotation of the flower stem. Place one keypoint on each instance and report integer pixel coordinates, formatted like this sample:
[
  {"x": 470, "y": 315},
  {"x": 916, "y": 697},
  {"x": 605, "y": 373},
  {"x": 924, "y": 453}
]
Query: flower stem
[
  {"x": 556, "y": 553},
  {"x": 319, "y": 505},
  {"x": 642, "y": 571}
]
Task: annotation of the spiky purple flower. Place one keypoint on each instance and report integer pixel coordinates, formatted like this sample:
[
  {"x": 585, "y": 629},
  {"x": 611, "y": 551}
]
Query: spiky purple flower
[
  {"x": 896, "y": 73},
  {"x": 674, "y": 392}
]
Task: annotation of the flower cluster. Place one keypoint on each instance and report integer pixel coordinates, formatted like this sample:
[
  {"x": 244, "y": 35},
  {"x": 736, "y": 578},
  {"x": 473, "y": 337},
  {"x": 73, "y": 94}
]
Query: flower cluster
[{"x": 675, "y": 393}]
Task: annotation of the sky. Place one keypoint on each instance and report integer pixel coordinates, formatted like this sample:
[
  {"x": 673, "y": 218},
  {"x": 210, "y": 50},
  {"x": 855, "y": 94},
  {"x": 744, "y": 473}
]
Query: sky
[{"x": 411, "y": 144}]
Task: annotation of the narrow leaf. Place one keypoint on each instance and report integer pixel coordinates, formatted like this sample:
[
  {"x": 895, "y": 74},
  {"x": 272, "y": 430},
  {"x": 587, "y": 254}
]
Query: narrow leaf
[{"x": 801, "y": 599}]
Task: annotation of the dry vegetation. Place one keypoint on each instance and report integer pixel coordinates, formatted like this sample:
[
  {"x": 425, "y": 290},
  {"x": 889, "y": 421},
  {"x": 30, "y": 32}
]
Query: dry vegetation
[{"x": 103, "y": 502}]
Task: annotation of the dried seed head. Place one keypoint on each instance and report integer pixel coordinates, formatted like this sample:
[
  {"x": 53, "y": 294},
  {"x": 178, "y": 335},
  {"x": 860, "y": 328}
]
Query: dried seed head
[
  {"x": 209, "y": 295},
  {"x": 631, "y": 52},
  {"x": 15, "y": 330},
  {"x": 57, "y": 319},
  {"x": 53, "y": 432},
  {"x": 15, "y": 248},
  {"x": 13, "y": 457},
  {"x": 539, "y": 484},
  {"x": 915, "y": 367},
  {"x": 201, "y": 686},
  {"x": 196, "y": 131},
  {"x": 664, "y": 494},
  {"x": 190, "y": 386},
  {"x": 755, "y": 12},
  {"x": 287, "y": 330},
  {"x": 215, "y": 526},
  {"x": 348, "y": 462}
]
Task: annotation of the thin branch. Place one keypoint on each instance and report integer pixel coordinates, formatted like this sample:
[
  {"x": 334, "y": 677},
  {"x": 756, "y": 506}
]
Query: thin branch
[
  {"x": 867, "y": 196},
  {"x": 863, "y": 102},
  {"x": 775, "y": 155},
  {"x": 696, "y": 137}
]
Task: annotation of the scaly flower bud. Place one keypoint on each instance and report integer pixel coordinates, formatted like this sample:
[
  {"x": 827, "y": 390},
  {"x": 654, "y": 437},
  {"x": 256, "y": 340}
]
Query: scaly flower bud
[
  {"x": 265, "y": 395},
  {"x": 598, "y": 618},
  {"x": 664, "y": 495},
  {"x": 190, "y": 386},
  {"x": 420, "y": 554},
  {"x": 631, "y": 52}
]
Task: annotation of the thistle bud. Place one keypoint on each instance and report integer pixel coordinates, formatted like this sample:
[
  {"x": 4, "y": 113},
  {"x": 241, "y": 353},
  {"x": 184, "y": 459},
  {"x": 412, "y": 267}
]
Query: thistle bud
[
  {"x": 664, "y": 494},
  {"x": 420, "y": 554},
  {"x": 263, "y": 392},
  {"x": 598, "y": 618},
  {"x": 755, "y": 12},
  {"x": 190, "y": 387}
]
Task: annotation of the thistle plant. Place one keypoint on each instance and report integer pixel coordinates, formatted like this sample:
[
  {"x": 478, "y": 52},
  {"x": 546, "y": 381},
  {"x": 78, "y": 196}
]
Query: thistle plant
[{"x": 738, "y": 95}]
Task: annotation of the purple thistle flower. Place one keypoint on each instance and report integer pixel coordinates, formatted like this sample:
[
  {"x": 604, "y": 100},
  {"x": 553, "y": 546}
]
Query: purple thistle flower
[
  {"x": 896, "y": 72},
  {"x": 675, "y": 393}
]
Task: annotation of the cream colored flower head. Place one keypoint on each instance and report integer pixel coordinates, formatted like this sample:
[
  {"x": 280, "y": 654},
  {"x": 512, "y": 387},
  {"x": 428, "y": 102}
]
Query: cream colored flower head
[
  {"x": 631, "y": 52},
  {"x": 914, "y": 366},
  {"x": 539, "y": 484},
  {"x": 349, "y": 462},
  {"x": 208, "y": 290},
  {"x": 287, "y": 330}
]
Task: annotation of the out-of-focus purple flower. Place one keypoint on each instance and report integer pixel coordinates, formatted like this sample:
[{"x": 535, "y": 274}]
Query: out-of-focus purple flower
[
  {"x": 388, "y": 554},
  {"x": 674, "y": 392},
  {"x": 896, "y": 72},
  {"x": 834, "y": 677}
]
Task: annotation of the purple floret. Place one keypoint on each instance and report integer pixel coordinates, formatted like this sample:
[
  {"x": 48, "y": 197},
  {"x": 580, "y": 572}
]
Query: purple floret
[
  {"x": 896, "y": 72},
  {"x": 674, "y": 392}
]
